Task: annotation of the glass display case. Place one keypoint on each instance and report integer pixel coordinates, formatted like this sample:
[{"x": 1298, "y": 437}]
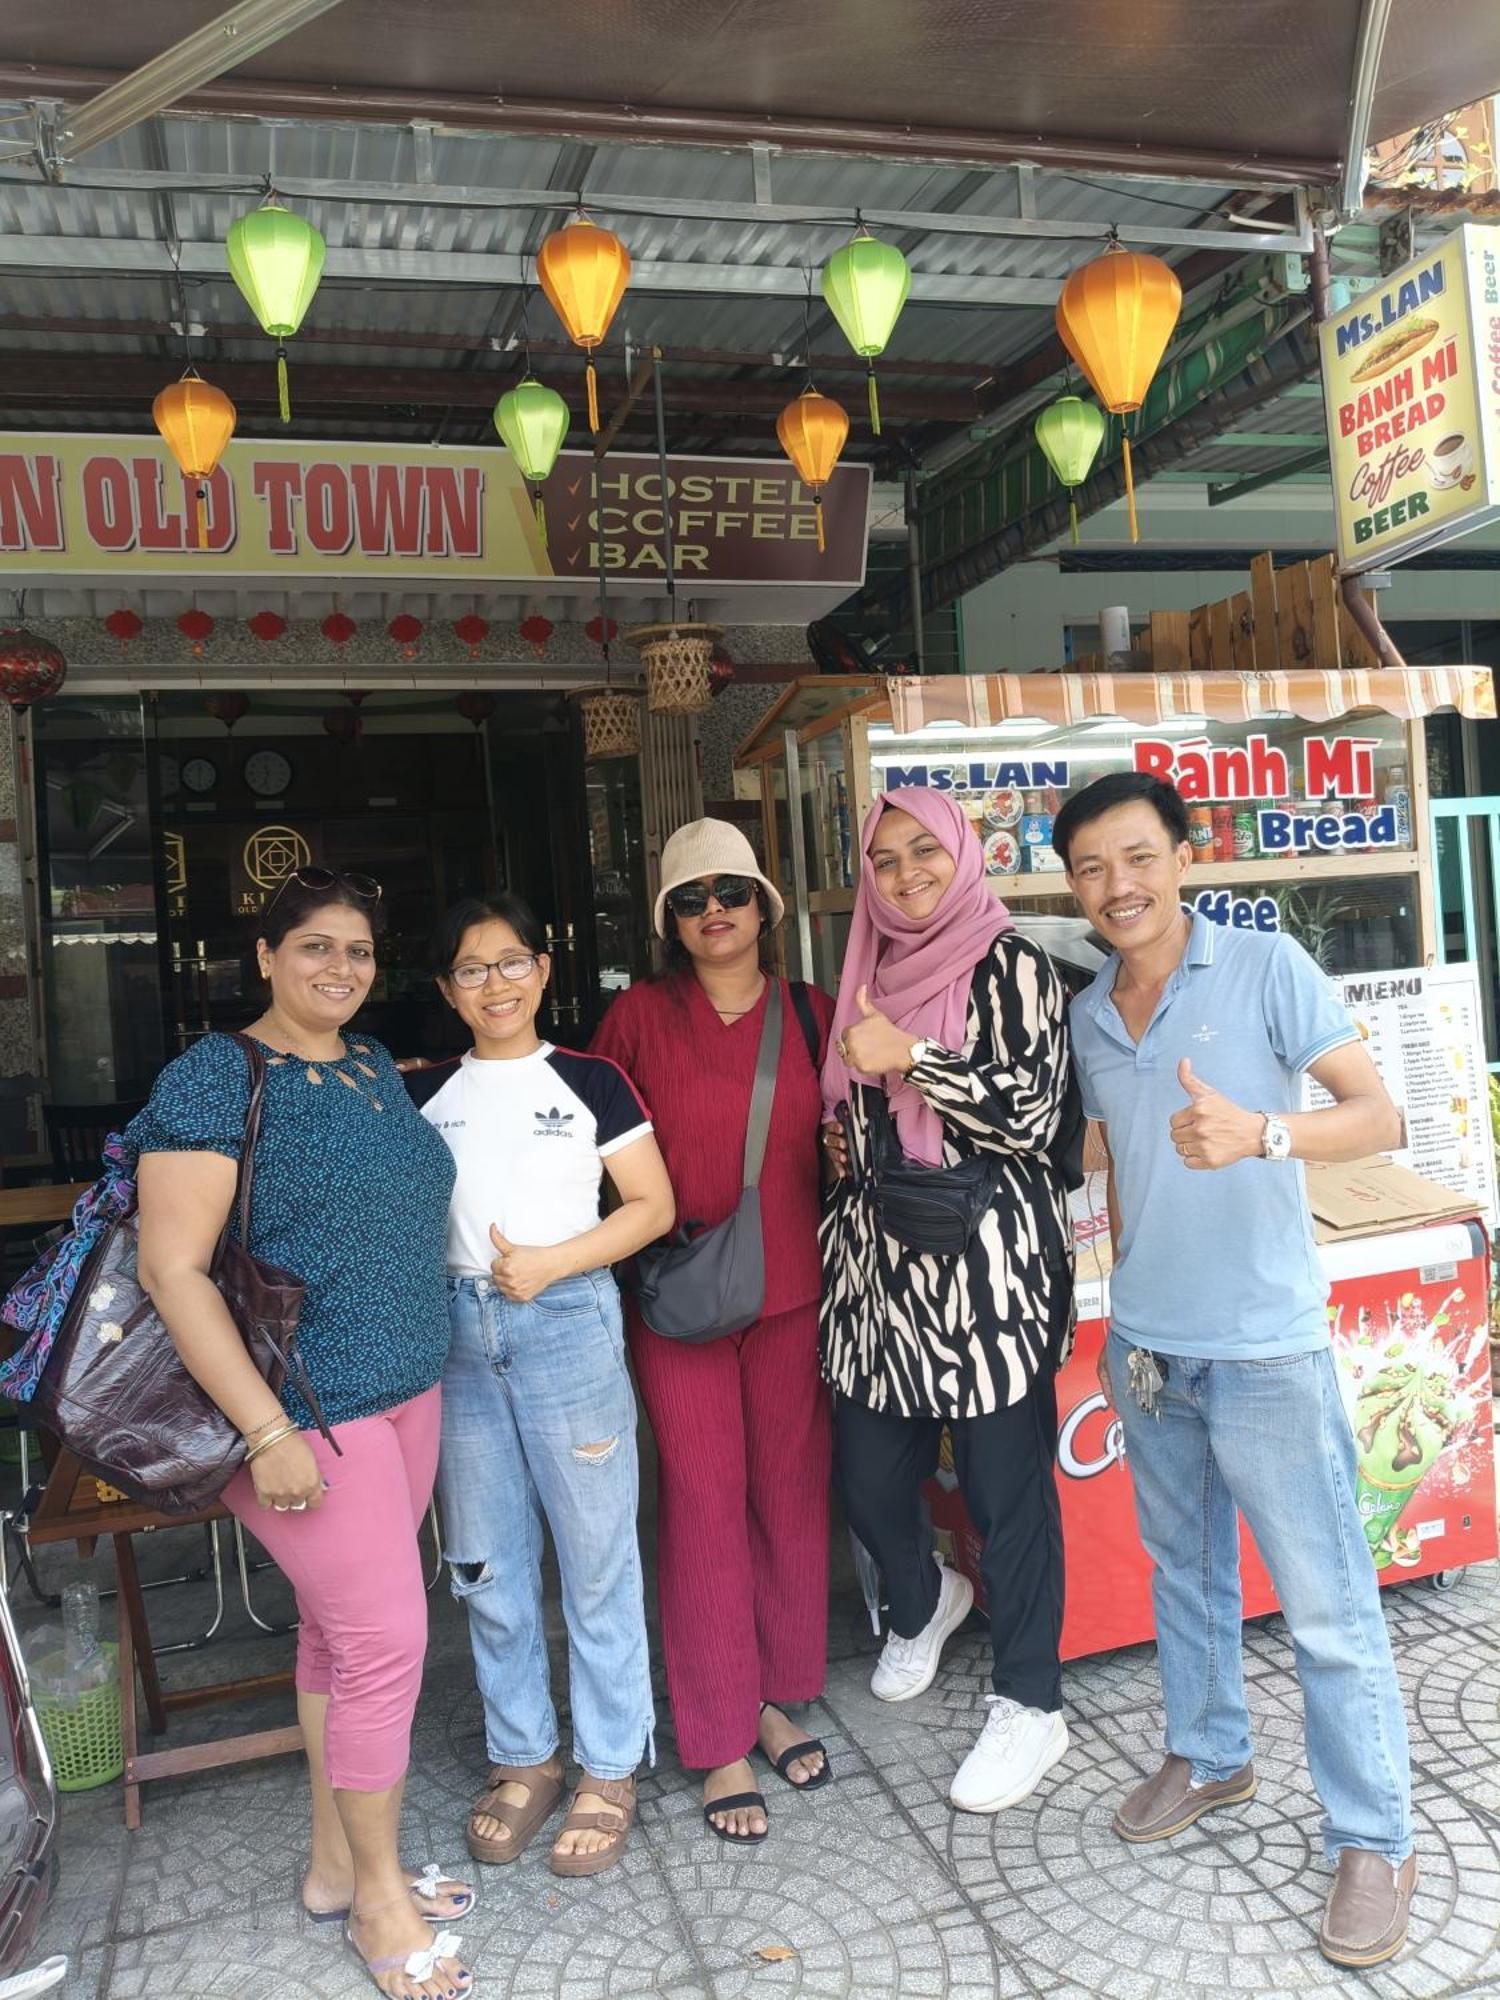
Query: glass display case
[{"x": 1307, "y": 794}]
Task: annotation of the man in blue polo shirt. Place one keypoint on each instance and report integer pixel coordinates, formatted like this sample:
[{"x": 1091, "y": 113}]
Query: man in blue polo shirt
[{"x": 1189, "y": 1047}]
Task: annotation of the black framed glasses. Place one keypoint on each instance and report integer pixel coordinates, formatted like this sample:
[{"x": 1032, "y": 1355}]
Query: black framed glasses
[
  {"x": 364, "y": 887},
  {"x": 691, "y": 899},
  {"x": 474, "y": 973}
]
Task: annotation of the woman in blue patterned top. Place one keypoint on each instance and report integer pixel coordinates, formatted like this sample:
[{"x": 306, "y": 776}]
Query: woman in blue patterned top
[{"x": 351, "y": 1194}]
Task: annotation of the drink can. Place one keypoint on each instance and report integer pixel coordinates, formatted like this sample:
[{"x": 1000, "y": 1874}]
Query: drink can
[
  {"x": 1246, "y": 845},
  {"x": 1223, "y": 833},
  {"x": 1201, "y": 832}
]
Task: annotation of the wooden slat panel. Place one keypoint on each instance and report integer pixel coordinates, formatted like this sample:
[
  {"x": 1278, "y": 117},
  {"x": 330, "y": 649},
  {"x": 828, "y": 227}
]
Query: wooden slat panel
[
  {"x": 1242, "y": 633},
  {"x": 1294, "y": 618},
  {"x": 1325, "y": 615},
  {"x": 1169, "y": 642},
  {"x": 1356, "y": 648},
  {"x": 1198, "y": 642},
  {"x": 1263, "y": 598},
  {"x": 1220, "y": 637}
]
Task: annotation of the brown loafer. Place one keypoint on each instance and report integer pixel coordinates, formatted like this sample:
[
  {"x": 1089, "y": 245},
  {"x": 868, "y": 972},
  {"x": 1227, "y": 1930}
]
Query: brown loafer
[
  {"x": 1368, "y": 1907},
  {"x": 1170, "y": 1802},
  {"x": 544, "y": 1787}
]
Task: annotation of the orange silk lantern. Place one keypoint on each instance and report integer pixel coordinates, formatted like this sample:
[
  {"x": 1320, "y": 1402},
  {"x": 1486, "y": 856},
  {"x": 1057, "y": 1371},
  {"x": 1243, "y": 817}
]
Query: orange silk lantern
[
  {"x": 812, "y": 431},
  {"x": 584, "y": 270},
  {"x": 196, "y": 420},
  {"x": 1115, "y": 317}
]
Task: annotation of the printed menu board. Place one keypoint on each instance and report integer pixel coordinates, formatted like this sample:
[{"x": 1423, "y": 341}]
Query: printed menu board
[
  {"x": 1411, "y": 383},
  {"x": 1425, "y": 1032}
]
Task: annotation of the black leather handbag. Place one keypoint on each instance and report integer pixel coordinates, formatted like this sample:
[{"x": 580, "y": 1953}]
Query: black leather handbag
[{"x": 935, "y": 1210}]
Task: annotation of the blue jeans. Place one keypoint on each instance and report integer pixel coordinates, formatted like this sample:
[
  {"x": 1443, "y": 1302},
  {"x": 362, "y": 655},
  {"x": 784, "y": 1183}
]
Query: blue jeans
[
  {"x": 1272, "y": 1438},
  {"x": 539, "y": 1421}
]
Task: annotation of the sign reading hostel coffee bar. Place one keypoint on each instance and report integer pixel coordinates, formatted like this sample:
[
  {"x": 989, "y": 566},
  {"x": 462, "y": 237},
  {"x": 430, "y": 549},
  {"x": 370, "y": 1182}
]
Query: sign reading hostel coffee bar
[
  {"x": 1411, "y": 382},
  {"x": 118, "y": 506}
]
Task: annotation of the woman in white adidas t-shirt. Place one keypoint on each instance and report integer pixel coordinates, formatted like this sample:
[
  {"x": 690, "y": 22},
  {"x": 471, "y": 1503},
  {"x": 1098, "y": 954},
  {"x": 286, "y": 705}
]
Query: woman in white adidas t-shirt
[{"x": 538, "y": 1409}]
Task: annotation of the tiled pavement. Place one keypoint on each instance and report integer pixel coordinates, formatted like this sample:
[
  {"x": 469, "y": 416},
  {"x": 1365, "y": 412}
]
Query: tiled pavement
[{"x": 879, "y": 1891}]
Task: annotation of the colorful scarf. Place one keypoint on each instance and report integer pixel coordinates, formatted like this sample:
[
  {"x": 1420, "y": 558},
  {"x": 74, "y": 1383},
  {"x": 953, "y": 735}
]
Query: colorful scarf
[{"x": 36, "y": 1304}]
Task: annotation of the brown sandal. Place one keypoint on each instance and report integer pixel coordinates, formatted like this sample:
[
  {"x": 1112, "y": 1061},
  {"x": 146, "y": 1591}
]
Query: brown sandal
[
  {"x": 616, "y": 1792},
  {"x": 543, "y": 1792}
]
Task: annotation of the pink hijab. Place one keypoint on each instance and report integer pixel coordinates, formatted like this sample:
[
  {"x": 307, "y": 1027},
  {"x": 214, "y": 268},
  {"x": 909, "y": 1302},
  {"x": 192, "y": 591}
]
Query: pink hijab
[{"x": 918, "y": 969}]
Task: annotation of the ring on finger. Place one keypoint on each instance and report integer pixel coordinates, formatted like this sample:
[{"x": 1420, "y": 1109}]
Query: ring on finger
[
  {"x": 279, "y": 1507},
  {"x": 297, "y": 1507}
]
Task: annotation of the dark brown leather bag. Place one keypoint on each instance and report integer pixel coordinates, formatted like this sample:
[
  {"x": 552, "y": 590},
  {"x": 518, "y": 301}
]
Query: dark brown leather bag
[{"x": 115, "y": 1390}]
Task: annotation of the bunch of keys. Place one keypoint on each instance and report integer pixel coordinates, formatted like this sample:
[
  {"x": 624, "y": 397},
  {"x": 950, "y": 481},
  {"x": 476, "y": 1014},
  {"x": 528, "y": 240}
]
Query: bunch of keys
[{"x": 1147, "y": 1376}]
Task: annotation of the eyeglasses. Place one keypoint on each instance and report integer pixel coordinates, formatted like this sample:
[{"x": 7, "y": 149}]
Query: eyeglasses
[
  {"x": 472, "y": 974},
  {"x": 364, "y": 887},
  {"x": 691, "y": 899}
]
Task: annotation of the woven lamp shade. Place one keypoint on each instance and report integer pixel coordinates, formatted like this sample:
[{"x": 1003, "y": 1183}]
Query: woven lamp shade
[
  {"x": 611, "y": 724},
  {"x": 677, "y": 659}
]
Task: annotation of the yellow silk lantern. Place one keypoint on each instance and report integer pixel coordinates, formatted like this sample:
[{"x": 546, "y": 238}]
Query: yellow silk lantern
[
  {"x": 584, "y": 270},
  {"x": 812, "y": 431},
  {"x": 196, "y": 421},
  {"x": 1115, "y": 317}
]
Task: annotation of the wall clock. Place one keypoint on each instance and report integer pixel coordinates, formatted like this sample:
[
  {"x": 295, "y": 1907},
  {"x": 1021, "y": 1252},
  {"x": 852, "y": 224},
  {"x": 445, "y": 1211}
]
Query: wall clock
[
  {"x": 267, "y": 773},
  {"x": 199, "y": 775}
]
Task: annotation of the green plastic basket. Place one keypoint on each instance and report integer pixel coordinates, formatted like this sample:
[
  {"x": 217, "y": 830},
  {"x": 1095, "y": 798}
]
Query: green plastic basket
[{"x": 81, "y": 1731}]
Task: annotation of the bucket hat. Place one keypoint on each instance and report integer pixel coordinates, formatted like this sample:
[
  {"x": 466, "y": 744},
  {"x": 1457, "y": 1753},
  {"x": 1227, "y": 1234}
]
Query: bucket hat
[{"x": 710, "y": 847}]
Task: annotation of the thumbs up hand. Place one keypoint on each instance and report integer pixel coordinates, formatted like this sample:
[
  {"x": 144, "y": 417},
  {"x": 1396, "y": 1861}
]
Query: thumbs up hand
[
  {"x": 1211, "y": 1130},
  {"x": 521, "y": 1271},
  {"x": 873, "y": 1044}
]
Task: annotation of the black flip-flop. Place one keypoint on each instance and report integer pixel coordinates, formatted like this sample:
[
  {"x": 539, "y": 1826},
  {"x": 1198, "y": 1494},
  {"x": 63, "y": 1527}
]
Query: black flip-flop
[
  {"x": 806, "y": 1748},
  {"x": 730, "y": 1804}
]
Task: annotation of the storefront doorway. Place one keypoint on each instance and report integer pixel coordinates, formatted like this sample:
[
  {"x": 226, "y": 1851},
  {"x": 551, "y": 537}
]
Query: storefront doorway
[{"x": 166, "y": 821}]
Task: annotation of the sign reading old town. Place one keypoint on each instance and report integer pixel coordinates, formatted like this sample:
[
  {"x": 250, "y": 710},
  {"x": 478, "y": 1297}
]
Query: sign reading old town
[{"x": 92, "y": 506}]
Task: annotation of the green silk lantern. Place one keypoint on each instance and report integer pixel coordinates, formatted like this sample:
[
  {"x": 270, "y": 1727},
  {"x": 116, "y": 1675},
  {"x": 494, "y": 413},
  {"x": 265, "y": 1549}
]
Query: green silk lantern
[
  {"x": 1070, "y": 432},
  {"x": 864, "y": 287},
  {"x": 276, "y": 259},
  {"x": 533, "y": 422}
]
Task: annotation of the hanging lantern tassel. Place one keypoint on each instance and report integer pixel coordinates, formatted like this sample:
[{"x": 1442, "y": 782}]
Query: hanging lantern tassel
[
  {"x": 593, "y": 381},
  {"x": 1073, "y": 518},
  {"x": 200, "y": 518},
  {"x": 1135, "y": 528},
  {"x": 283, "y": 386},
  {"x": 874, "y": 397},
  {"x": 818, "y": 512},
  {"x": 541, "y": 515}
]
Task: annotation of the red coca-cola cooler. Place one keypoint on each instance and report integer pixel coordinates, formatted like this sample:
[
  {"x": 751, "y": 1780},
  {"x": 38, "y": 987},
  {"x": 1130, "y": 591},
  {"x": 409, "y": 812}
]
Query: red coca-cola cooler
[{"x": 1409, "y": 1314}]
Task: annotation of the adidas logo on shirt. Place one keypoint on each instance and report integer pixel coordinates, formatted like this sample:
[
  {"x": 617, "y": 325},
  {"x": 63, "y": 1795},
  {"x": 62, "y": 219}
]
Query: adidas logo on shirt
[{"x": 554, "y": 1124}]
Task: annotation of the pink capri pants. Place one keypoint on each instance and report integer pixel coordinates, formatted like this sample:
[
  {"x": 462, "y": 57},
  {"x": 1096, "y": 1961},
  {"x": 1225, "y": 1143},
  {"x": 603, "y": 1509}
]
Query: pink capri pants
[{"x": 356, "y": 1568}]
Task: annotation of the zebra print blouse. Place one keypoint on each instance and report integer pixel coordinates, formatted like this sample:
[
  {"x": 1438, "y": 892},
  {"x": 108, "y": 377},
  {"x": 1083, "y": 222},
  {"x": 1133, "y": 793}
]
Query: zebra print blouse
[{"x": 961, "y": 1336}]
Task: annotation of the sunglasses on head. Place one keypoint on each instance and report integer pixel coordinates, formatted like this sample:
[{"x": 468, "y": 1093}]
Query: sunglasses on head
[
  {"x": 691, "y": 899},
  {"x": 364, "y": 887}
]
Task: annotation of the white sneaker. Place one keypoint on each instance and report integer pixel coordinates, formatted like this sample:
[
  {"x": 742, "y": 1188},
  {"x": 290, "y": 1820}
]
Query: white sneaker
[
  {"x": 908, "y": 1667},
  {"x": 1017, "y": 1747}
]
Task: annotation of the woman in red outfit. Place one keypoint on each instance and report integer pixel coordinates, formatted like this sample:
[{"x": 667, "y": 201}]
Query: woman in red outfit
[{"x": 741, "y": 1423}]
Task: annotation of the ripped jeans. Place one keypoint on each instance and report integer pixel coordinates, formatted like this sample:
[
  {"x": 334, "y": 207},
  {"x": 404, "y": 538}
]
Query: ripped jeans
[{"x": 539, "y": 1421}]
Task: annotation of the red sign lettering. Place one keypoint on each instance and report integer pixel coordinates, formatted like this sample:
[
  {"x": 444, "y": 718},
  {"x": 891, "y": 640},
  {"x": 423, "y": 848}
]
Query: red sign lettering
[{"x": 30, "y": 507}]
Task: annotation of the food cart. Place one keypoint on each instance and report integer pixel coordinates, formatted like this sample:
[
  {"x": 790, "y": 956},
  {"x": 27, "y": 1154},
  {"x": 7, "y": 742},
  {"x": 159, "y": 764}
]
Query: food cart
[{"x": 1308, "y": 801}]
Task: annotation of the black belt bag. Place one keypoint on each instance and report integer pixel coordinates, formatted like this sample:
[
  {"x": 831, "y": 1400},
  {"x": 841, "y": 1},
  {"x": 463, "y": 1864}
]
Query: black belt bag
[{"x": 936, "y": 1210}]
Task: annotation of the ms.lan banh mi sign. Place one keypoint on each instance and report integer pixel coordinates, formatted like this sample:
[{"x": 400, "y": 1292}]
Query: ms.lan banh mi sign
[
  {"x": 1411, "y": 380},
  {"x": 119, "y": 507}
]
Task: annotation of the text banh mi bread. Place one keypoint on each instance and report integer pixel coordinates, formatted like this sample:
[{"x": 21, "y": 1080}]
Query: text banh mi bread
[{"x": 1394, "y": 347}]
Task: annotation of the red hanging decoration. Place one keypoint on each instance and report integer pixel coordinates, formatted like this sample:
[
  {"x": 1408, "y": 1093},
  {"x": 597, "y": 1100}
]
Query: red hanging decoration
[
  {"x": 344, "y": 725},
  {"x": 720, "y": 670},
  {"x": 338, "y": 628},
  {"x": 124, "y": 625},
  {"x": 596, "y": 632},
  {"x": 471, "y": 630},
  {"x": 196, "y": 627},
  {"x": 536, "y": 631},
  {"x": 267, "y": 626},
  {"x": 475, "y": 707},
  {"x": 228, "y": 708},
  {"x": 31, "y": 668},
  {"x": 406, "y": 631}
]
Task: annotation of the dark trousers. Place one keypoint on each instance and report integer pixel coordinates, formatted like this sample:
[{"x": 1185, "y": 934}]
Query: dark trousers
[{"x": 1004, "y": 1464}]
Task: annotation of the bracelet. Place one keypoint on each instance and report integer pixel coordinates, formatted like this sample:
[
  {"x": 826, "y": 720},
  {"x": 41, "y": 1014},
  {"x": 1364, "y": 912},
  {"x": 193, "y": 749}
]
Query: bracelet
[
  {"x": 276, "y": 1437},
  {"x": 270, "y": 1423}
]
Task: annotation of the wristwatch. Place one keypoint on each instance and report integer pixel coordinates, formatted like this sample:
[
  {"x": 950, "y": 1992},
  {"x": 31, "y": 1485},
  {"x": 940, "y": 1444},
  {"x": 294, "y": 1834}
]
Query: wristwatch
[{"x": 1276, "y": 1141}]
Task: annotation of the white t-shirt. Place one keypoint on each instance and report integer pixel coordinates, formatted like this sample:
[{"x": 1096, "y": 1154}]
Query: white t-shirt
[{"x": 529, "y": 1136}]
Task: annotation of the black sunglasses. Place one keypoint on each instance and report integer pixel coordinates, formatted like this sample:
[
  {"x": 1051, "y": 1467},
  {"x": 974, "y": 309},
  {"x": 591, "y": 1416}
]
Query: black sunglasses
[
  {"x": 364, "y": 887},
  {"x": 691, "y": 899}
]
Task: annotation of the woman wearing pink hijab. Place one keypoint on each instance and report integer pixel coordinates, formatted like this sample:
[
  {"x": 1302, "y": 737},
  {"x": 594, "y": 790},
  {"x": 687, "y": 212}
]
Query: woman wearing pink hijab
[{"x": 949, "y": 1044}]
